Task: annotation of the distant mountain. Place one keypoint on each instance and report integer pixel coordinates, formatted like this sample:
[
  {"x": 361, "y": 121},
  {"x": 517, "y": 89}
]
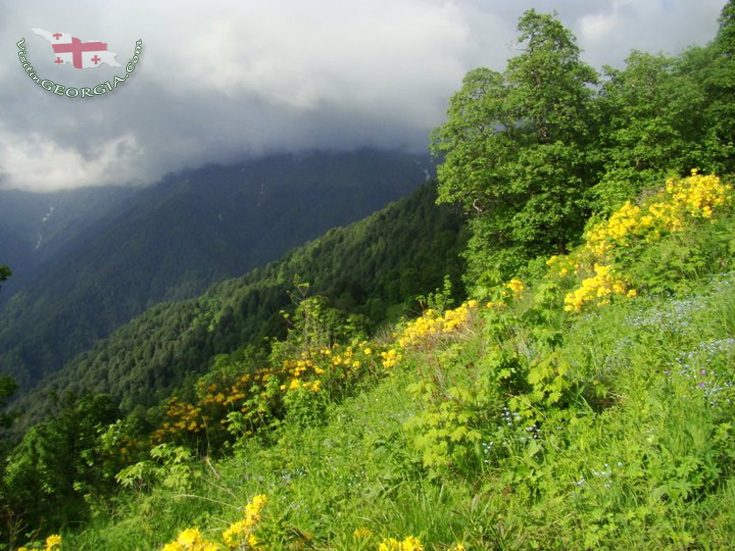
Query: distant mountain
[
  {"x": 368, "y": 268},
  {"x": 38, "y": 228},
  {"x": 172, "y": 240}
]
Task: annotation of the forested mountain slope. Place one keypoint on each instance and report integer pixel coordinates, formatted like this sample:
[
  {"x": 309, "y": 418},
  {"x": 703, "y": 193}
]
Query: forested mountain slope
[
  {"x": 39, "y": 228},
  {"x": 387, "y": 259},
  {"x": 172, "y": 240},
  {"x": 582, "y": 397}
]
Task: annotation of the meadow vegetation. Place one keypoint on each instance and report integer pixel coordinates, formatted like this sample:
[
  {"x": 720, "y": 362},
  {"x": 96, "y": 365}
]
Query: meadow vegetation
[{"x": 580, "y": 395}]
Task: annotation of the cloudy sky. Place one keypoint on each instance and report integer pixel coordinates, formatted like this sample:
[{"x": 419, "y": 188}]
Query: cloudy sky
[{"x": 222, "y": 80}]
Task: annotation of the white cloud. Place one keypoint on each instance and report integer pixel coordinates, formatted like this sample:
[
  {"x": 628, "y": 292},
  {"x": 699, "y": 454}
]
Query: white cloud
[
  {"x": 656, "y": 26},
  {"x": 39, "y": 164},
  {"x": 597, "y": 27},
  {"x": 224, "y": 79},
  {"x": 303, "y": 55}
]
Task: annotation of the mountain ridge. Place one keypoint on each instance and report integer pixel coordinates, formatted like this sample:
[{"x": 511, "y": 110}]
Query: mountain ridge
[
  {"x": 174, "y": 239},
  {"x": 142, "y": 361}
]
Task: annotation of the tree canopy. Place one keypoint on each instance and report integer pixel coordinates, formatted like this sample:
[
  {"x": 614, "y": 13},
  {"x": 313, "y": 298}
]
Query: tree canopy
[
  {"x": 514, "y": 146},
  {"x": 531, "y": 152}
]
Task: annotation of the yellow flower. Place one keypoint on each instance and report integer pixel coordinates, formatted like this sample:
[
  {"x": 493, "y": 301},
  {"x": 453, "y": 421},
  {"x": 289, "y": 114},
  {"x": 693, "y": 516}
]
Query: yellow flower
[
  {"x": 190, "y": 540},
  {"x": 242, "y": 530},
  {"x": 389, "y": 544},
  {"x": 52, "y": 542},
  {"x": 515, "y": 285},
  {"x": 671, "y": 210},
  {"x": 189, "y": 536},
  {"x": 256, "y": 504},
  {"x": 362, "y": 533},
  {"x": 411, "y": 543},
  {"x": 389, "y": 358},
  {"x": 230, "y": 535},
  {"x": 596, "y": 289}
]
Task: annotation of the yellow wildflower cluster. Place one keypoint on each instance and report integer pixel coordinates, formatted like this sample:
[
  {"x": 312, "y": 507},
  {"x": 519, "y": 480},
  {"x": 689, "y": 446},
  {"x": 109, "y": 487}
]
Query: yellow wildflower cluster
[
  {"x": 214, "y": 401},
  {"x": 696, "y": 196},
  {"x": 321, "y": 369},
  {"x": 500, "y": 293},
  {"x": 699, "y": 195},
  {"x": 515, "y": 285},
  {"x": 598, "y": 289},
  {"x": 332, "y": 367},
  {"x": 296, "y": 369},
  {"x": 329, "y": 364},
  {"x": 562, "y": 266},
  {"x": 190, "y": 540},
  {"x": 432, "y": 325},
  {"x": 390, "y": 358},
  {"x": 670, "y": 210},
  {"x": 53, "y": 543},
  {"x": 621, "y": 226},
  {"x": 239, "y": 535},
  {"x": 411, "y": 543}
]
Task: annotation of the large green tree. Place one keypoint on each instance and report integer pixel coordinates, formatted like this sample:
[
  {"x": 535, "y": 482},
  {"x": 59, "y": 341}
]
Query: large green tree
[
  {"x": 651, "y": 114},
  {"x": 47, "y": 475},
  {"x": 667, "y": 115},
  {"x": 725, "y": 39},
  {"x": 515, "y": 149},
  {"x": 720, "y": 89}
]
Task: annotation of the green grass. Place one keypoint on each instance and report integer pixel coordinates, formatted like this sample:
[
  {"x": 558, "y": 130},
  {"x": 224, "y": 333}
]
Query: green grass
[
  {"x": 647, "y": 466},
  {"x": 526, "y": 429}
]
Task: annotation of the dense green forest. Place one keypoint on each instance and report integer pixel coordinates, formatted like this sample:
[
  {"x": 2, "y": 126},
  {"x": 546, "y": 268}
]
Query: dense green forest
[
  {"x": 562, "y": 378},
  {"x": 37, "y": 229},
  {"x": 367, "y": 270},
  {"x": 103, "y": 264}
]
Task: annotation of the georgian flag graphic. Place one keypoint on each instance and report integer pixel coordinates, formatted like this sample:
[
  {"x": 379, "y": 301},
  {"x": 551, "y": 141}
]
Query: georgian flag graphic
[{"x": 82, "y": 55}]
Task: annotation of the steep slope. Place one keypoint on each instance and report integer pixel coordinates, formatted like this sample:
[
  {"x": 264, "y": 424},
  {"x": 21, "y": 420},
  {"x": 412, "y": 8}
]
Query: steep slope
[
  {"x": 170, "y": 241},
  {"x": 39, "y": 228},
  {"x": 521, "y": 423},
  {"x": 395, "y": 254}
]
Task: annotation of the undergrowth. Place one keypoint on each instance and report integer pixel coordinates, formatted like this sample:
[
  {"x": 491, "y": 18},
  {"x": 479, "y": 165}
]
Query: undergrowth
[{"x": 505, "y": 423}]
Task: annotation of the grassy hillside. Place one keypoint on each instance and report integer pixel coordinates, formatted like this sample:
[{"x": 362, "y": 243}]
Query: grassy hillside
[
  {"x": 581, "y": 398},
  {"x": 545, "y": 416}
]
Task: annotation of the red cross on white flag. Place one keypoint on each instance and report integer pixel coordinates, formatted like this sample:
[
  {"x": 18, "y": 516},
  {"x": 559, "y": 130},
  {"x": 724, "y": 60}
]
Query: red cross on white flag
[{"x": 82, "y": 55}]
